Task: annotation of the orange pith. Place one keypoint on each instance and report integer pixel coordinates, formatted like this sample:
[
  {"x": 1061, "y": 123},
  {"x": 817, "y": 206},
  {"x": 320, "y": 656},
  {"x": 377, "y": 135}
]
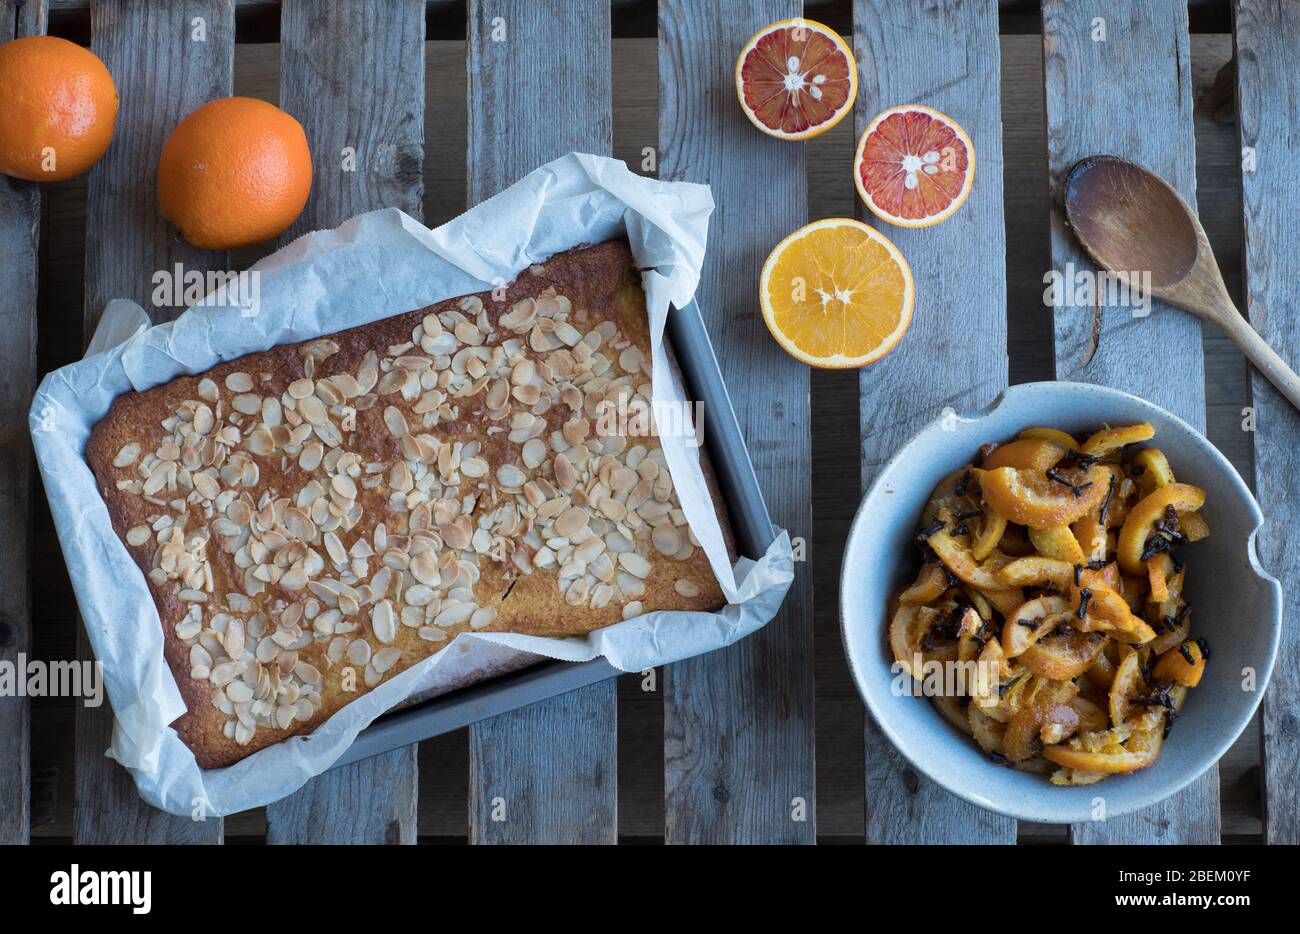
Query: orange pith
[
  {"x": 796, "y": 79},
  {"x": 836, "y": 294},
  {"x": 914, "y": 166},
  {"x": 235, "y": 172},
  {"x": 58, "y": 106}
]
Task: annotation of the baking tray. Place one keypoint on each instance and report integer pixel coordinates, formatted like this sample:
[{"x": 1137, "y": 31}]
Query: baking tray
[{"x": 749, "y": 521}]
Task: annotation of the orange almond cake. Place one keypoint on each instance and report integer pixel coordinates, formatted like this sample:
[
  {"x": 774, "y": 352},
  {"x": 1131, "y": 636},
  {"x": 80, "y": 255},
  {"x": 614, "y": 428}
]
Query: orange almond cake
[{"x": 318, "y": 517}]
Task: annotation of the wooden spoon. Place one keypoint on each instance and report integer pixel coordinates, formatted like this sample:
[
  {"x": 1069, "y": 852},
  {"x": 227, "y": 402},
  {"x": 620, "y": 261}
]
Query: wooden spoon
[{"x": 1129, "y": 219}]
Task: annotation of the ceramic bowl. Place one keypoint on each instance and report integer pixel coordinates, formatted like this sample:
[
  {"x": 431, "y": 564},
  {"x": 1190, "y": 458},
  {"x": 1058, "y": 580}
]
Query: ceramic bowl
[{"x": 1236, "y": 605}]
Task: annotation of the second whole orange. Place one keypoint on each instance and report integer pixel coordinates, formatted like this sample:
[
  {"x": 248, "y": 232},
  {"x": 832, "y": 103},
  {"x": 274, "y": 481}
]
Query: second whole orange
[{"x": 235, "y": 172}]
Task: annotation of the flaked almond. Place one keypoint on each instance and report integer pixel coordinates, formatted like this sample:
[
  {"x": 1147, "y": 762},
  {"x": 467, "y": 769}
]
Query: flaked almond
[
  {"x": 570, "y": 521},
  {"x": 667, "y": 540},
  {"x": 612, "y": 509},
  {"x": 344, "y": 486},
  {"x": 630, "y": 359},
  {"x": 208, "y": 390},
  {"x": 127, "y": 455},
  {"x": 533, "y": 453},
  {"x": 527, "y": 395},
  {"x": 313, "y": 410},
  {"x": 686, "y": 588},
  {"x": 520, "y": 316},
  {"x": 247, "y": 404},
  {"x": 206, "y": 485},
  {"x": 260, "y": 442},
  {"x": 567, "y": 333},
  {"x": 234, "y": 638},
  {"x": 510, "y": 476},
  {"x": 424, "y": 568},
  {"x": 565, "y": 475},
  {"x": 383, "y": 621},
  {"x": 359, "y": 652},
  {"x": 395, "y": 421},
  {"x": 312, "y": 453},
  {"x": 523, "y": 372},
  {"x": 633, "y": 563},
  {"x": 419, "y": 595},
  {"x": 576, "y": 430},
  {"x": 454, "y": 614}
]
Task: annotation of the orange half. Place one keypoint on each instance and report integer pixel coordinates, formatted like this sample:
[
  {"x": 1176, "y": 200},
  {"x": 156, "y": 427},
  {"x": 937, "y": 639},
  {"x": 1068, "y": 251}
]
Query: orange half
[
  {"x": 914, "y": 166},
  {"x": 836, "y": 294},
  {"x": 796, "y": 79}
]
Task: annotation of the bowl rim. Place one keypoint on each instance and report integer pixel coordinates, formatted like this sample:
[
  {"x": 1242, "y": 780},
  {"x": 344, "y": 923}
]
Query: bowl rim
[{"x": 855, "y": 543}]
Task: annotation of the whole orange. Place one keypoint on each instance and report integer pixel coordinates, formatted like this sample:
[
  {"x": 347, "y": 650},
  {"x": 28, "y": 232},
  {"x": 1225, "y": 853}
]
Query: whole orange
[
  {"x": 58, "y": 105},
  {"x": 235, "y": 172}
]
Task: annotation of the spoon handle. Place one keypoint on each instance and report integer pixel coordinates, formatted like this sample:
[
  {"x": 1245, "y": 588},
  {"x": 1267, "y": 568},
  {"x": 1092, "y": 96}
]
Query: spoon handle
[{"x": 1264, "y": 358}]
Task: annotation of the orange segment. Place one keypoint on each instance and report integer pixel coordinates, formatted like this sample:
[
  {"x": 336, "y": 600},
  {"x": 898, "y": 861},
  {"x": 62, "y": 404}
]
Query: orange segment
[
  {"x": 914, "y": 166},
  {"x": 796, "y": 79},
  {"x": 836, "y": 294}
]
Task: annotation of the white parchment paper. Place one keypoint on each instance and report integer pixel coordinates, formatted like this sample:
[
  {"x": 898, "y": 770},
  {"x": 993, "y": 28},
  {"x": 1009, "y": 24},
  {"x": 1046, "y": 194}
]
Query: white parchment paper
[{"x": 374, "y": 266}]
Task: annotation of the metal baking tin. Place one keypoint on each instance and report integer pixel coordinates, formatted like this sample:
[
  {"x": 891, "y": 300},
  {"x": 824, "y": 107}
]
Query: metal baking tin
[{"x": 749, "y": 521}]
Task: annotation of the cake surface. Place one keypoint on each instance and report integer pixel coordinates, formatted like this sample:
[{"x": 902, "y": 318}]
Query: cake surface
[{"x": 315, "y": 518}]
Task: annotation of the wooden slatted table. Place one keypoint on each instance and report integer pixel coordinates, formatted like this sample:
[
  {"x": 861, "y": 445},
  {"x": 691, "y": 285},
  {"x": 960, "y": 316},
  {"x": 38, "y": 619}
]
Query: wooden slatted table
[{"x": 441, "y": 104}]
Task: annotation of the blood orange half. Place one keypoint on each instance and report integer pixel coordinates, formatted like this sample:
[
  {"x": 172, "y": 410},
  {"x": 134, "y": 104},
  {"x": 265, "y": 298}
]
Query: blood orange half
[
  {"x": 796, "y": 79},
  {"x": 914, "y": 166}
]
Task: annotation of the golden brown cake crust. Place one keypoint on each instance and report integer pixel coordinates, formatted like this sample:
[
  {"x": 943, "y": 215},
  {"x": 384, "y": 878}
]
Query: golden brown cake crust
[{"x": 215, "y": 562}]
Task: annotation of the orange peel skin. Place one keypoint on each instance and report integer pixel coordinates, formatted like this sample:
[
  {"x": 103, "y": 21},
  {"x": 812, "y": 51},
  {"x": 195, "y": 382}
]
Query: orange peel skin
[
  {"x": 1184, "y": 664},
  {"x": 1144, "y": 516},
  {"x": 958, "y": 559},
  {"x": 930, "y": 584},
  {"x": 1026, "y": 454},
  {"x": 1042, "y": 501},
  {"x": 1110, "y": 440}
]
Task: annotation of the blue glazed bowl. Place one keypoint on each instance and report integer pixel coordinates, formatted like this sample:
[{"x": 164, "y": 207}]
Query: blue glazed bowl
[{"x": 1236, "y": 605}]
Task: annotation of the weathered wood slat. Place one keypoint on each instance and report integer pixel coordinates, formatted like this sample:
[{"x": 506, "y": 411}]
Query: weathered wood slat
[
  {"x": 1268, "y": 87},
  {"x": 738, "y": 723},
  {"x": 906, "y": 390},
  {"x": 162, "y": 71},
  {"x": 1119, "y": 82},
  {"x": 127, "y": 239},
  {"x": 352, "y": 71},
  {"x": 539, "y": 87},
  {"x": 20, "y": 214},
  {"x": 547, "y": 773}
]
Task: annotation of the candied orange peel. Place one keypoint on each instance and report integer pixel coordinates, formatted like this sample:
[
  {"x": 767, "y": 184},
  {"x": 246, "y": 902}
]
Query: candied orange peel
[{"x": 1055, "y": 563}]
